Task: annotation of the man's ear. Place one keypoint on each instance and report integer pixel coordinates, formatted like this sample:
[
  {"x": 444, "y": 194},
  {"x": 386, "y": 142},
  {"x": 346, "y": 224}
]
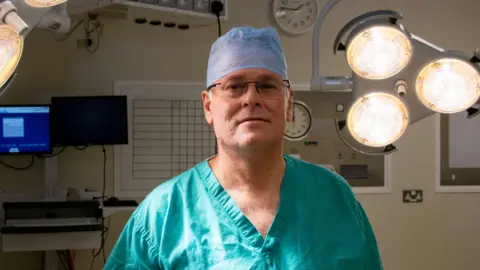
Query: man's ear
[
  {"x": 290, "y": 105},
  {"x": 206, "y": 99}
]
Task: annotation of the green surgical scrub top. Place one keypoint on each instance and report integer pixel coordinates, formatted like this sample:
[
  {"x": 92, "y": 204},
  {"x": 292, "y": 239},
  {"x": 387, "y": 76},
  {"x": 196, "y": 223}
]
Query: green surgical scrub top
[{"x": 191, "y": 222}]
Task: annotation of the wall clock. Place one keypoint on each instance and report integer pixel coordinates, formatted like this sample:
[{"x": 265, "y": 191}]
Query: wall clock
[
  {"x": 302, "y": 122},
  {"x": 295, "y": 16}
]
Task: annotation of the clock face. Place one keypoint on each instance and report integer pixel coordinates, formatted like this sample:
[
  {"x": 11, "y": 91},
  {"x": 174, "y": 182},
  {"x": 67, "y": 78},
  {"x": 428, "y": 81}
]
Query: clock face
[
  {"x": 295, "y": 16},
  {"x": 302, "y": 122}
]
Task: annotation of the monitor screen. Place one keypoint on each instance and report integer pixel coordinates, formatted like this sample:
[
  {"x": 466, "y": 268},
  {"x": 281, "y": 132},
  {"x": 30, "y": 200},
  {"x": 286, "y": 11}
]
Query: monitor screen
[
  {"x": 25, "y": 129},
  {"x": 89, "y": 120}
]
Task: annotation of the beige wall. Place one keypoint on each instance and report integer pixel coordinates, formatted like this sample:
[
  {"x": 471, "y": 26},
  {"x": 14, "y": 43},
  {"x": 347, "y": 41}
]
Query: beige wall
[{"x": 443, "y": 233}]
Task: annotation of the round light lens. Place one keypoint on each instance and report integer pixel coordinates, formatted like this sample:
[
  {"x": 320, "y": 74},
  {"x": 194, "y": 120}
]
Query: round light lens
[
  {"x": 44, "y": 3},
  {"x": 379, "y": 52},
  {"x": 448, "y": 85},
  {"x": 377, "y": 119},
  {"x": 11, "y": 48}
]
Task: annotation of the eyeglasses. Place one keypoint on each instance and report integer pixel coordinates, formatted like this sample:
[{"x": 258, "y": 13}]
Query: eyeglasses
[{"x": 264, "y": 89}]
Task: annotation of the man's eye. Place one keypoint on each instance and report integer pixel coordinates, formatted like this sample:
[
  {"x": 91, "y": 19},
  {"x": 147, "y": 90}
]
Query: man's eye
[
  {"x": 265, "y": 86},
  {"x": 235, "y": 86}
]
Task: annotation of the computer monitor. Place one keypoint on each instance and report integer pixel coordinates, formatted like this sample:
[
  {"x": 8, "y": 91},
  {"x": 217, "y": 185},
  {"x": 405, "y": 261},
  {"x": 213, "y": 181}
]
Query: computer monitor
[
  {"x": 25, "y": 129},
  {"x": 89, "y": 120}
]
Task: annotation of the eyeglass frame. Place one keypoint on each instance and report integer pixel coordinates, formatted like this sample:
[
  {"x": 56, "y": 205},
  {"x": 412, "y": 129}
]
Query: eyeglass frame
[{"x": 285, "y": 82}]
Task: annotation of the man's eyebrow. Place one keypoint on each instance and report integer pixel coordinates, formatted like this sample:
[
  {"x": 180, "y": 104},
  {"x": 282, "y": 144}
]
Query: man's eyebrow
[
  {"x": 256, "y": 78},
  {"x": 235, "y": 77},
  {"x": 266, "y": 78}
]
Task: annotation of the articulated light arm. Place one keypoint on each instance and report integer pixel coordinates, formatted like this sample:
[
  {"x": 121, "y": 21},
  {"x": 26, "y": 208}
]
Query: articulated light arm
[
  {"x": 9, "y": 16},
  {"x": 324, "y": 83}
]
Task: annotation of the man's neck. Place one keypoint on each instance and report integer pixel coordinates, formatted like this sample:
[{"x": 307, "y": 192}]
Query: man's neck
[{"x": 252, "y": 171}]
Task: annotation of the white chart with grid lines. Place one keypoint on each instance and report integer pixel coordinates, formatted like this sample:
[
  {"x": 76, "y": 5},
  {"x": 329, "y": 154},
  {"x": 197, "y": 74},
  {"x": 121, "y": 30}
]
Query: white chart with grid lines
[{"x": 168, "y": 134}]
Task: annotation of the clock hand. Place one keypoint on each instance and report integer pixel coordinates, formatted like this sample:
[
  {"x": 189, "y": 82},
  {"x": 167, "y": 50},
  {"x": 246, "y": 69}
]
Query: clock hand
[
  {"x": 298, "y": 8},
  {"x": 291, "y": 9},
  {"x": 287, "y": 8}
]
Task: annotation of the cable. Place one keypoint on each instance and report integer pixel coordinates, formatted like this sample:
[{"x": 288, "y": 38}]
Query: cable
[
  {"x": 63, "y": 260},
  {"x": 104, "y": 233},
  {"x": 70, "y": 259},
  {"x": 54, "y": 154},
  {"x": 104, "y": 170},
  {"x": 97, "y": 29},
  {"x": 32, "y": 161},
  {"x": 216, "y": 7}
]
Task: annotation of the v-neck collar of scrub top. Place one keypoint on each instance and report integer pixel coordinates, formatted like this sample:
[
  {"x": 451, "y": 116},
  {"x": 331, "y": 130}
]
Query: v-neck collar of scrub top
[{"x": 248, "y": 230}]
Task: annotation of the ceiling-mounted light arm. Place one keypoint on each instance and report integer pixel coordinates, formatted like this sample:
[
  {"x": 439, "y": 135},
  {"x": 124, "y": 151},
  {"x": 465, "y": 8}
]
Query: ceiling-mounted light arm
[
  {"x": 325, "y": 83},
  {"x": 33, "y": 12},
  {"x": 380, "y": 151},
  {"x": 387, "y": 15},
  {"x": 9, "y": 15}
]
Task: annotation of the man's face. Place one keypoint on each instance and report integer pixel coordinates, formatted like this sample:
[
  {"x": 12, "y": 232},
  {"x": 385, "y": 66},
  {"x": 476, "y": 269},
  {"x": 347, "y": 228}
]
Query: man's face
[{"x": 248, "y": 118}]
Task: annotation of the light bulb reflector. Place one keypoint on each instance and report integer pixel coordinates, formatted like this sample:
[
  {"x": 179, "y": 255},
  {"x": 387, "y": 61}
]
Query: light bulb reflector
[
  {"x": 44, "y": 3},
  {"x": 379, "y": 52},
  {"x": 377, "y": 119},
  {"x": 448, "y": 85},
  {"x": 11, "y": 48}
]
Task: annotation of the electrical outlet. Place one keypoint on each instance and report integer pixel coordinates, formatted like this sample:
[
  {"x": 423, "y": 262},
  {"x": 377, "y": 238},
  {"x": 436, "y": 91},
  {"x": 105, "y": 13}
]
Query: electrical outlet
[
  {"x": 185, "y": 4},
  {"x": 201, "y": 6},
  {"x": 412, "y": 196}
]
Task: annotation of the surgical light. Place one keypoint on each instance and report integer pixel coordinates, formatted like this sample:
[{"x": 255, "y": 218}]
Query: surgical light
[
  {"x": 397, "y": 79},
  {"x": 17, "y": 18},
  {"x": 377, "y": 119},
  {"x": 44, "y": 3},
  {"x": 379, "y": 52},
  {"x": 11, "y": 47},
  {"x": 448, "y": 85}
]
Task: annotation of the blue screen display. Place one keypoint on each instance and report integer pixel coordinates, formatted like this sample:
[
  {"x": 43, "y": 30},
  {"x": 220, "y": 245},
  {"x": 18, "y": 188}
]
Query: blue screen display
[{"x": 25, "y": 129}]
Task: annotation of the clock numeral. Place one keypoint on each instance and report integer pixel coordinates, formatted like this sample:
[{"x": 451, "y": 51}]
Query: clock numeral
[
  {"x": 289, "y": 21},
  {"x": 310, "y": 10},
  {"x": 295, "y": 24},
  {"x": 302, "y": 23},
  {"x": 308, "y": 18}
]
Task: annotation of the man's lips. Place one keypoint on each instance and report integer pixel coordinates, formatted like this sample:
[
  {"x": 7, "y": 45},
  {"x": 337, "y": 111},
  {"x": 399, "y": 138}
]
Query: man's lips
[{"x": 251, "y": 119}]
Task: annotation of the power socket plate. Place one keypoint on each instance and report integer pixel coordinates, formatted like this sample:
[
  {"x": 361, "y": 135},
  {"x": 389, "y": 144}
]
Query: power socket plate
[{"x": 412, "y": 196}]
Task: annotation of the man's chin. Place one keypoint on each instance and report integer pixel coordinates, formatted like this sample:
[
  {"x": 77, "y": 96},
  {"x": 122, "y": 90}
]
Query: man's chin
[{"x": 256, "y": 140}]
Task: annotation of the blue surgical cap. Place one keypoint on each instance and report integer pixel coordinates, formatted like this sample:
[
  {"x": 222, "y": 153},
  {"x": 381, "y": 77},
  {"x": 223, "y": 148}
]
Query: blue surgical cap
[{"x": 246, "y": 47}]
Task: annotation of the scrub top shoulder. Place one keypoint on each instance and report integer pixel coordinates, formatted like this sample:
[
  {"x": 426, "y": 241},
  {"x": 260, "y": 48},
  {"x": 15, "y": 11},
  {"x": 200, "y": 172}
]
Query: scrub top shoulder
[{"x": 191, "y": 222}]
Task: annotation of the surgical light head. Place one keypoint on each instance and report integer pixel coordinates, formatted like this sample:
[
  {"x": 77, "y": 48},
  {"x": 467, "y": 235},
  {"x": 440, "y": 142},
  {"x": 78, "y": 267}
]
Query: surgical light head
[
  {"x": 44, "y": 3},
  {"x": 11, "y": 47},
  {"x": 246, "y": 47},
  {"x": 398, "y": 79},
  {"x": 17, "y": 18},
  {"x": 378, "y": 51},
  {"x": 377, "y": 119},
  {"x": 448, "y": 85}
]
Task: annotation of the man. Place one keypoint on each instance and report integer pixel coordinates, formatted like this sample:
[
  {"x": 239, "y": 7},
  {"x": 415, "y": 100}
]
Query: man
[{"x": 250, "y": 206}]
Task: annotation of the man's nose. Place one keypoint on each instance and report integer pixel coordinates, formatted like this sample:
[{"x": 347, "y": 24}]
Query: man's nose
[{"x": 251, "y": 96}]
